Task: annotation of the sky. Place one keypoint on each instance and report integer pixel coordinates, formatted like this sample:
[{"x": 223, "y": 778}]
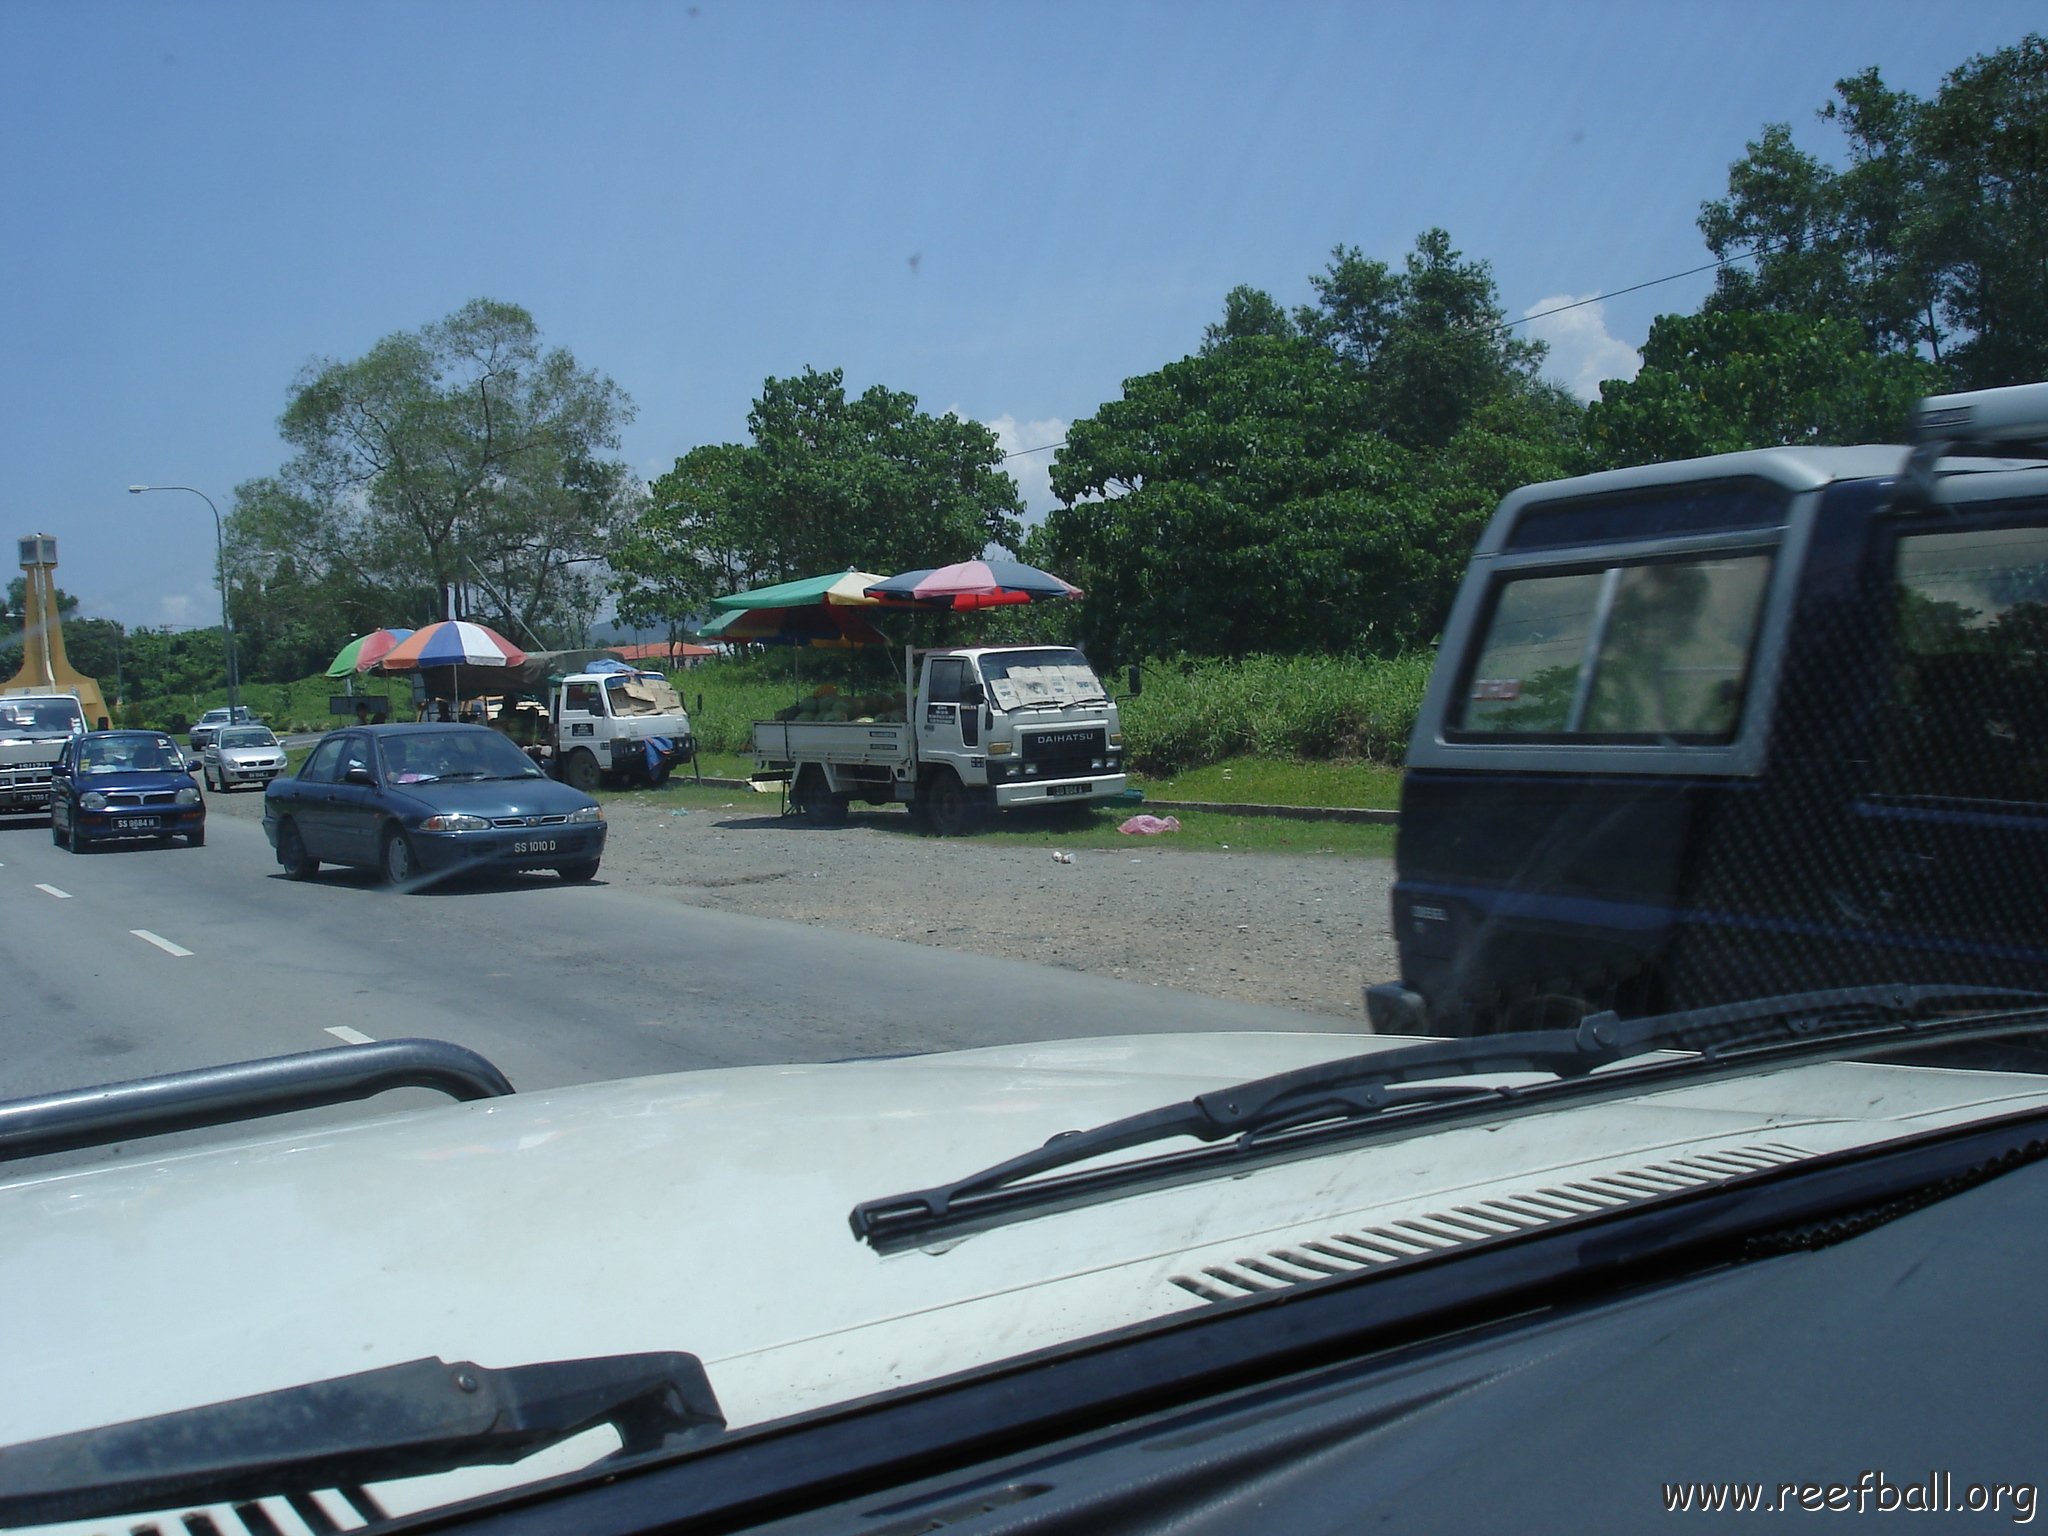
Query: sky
[{"x": 1005, "y": 209}]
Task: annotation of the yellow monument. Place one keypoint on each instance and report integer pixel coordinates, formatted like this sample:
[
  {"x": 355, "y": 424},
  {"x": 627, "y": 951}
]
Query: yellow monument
[{"x": 44, "y": 666}]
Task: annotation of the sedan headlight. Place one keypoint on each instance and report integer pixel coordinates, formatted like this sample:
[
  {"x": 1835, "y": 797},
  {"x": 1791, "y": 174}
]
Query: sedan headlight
[
  {"x": 188, "y": 796},
  {"x": 588, "y": 813},
  {"x": 92, "y": 800},
  {"x": 455, "y": 821}
]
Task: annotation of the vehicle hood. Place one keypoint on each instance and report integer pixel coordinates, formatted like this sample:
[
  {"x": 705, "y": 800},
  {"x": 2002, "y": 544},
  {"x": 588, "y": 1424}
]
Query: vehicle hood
[
  {"x": 17, "y": 748},
  {"x": 251, "y": 754},
  {"x": 491, "y": 797},
  {"x": 707, "y": 1212},
  {"x": 151, "y": 781}
]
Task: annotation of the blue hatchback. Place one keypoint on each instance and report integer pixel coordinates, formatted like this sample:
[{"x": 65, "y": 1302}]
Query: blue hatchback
[
  {"x": 123, "y": 786},
  {"x": 417, "y": 801}
]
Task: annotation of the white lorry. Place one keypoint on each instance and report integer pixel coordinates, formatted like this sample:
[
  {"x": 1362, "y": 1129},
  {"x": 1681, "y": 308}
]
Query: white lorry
[
  {"x": 975, "y": 730},
  {"x": 34, "y": 728},
  {"x": 615, "y": 728}
]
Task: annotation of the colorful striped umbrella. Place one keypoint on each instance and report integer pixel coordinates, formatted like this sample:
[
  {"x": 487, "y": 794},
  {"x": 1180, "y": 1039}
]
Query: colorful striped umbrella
[
  {"x": 820, "y": 625},
  {"x": 844, "y": 588},
  {"x": 453, "y": 643},
  {"x": 365, "y": 651},
  {"x": 975, "y": 584}
]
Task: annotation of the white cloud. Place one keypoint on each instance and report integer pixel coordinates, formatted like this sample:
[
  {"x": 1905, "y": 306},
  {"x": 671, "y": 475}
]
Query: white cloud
[
  {"x": 1033, "y": 471},
  {"x": 1582, "y": 353},
  {"x": 175, "y": 609}
]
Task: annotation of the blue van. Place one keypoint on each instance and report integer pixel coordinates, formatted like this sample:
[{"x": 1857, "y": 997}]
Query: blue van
[{"x": 1738, "y": 726}]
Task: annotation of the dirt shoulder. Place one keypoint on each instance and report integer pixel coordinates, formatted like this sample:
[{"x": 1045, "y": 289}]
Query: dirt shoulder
[{"x": 1295, "y": 931}]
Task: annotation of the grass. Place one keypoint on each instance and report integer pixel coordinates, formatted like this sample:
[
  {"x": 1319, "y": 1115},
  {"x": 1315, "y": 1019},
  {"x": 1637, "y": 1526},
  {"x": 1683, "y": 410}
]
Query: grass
[{"x": 1252, "y": 780}]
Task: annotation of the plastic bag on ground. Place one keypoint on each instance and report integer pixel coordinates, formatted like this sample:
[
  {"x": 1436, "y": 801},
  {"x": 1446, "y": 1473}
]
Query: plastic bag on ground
[{"x": 1149, "y": 826}]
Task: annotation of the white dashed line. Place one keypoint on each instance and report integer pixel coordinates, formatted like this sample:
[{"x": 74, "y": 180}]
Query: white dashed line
[
  {"x": 160, "y": 942},
  {"x": 349, "y": 1036},
  {"x": 53, "y": 891}
]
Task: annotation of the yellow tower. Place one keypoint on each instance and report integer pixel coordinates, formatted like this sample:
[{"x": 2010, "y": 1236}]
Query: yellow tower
[{"x": 44, "y": 666}]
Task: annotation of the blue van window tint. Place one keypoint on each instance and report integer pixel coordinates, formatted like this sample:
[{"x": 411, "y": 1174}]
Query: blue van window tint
[
  {"x": 1667, "y": 512},
  {"x": 1970, "y": 675},
  {"x": 1654, "y": 651}
]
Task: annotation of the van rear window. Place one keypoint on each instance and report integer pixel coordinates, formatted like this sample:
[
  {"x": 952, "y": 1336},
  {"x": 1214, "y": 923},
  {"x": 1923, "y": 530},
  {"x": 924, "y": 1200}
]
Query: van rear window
[
  {"x": 1667, "y": 512},
  {"x": 1653, "y": 651}
]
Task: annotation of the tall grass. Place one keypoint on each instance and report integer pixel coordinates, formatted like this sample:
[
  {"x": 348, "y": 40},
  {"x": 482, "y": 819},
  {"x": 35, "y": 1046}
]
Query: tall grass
[{"x": 1308, "y": 707}]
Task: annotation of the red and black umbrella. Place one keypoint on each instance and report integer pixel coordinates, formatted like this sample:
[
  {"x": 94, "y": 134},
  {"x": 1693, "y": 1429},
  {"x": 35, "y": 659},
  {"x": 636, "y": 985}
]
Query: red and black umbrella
[{"x": 975, "y": 584}]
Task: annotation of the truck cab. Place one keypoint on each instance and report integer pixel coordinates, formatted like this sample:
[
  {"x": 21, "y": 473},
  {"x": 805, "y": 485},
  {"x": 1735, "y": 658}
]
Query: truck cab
[
  {"x": 35, "y": 728},
  {"x": 617, "y": 727},
  {"x": 1752, "y": 724}
]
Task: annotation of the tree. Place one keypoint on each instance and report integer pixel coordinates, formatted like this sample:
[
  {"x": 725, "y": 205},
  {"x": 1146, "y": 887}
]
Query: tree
[
  {"x": 1315, "y": 486},
  {"x": 827, "y": 482},
  {"x": 1724, "y": 381},
  {"x": 1933, "y": 238},
  {"x": 464, "y": 452}
]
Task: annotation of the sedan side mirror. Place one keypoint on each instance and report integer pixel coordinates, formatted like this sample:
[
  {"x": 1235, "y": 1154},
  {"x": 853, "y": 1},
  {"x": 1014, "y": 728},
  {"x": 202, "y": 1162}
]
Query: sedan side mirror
[{"x": 357, "y": 774}]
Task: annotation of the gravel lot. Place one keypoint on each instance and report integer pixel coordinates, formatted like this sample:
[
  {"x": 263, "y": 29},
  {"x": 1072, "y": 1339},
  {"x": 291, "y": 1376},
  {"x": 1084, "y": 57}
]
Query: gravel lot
[{"x": 1304, "y": 932}]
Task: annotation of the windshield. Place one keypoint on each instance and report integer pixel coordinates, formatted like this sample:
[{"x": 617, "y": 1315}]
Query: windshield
[
  {"x": 1021, "y": 679},
  {"x": 44, "y": 718},
  {"x": 1037, "y": 677}
]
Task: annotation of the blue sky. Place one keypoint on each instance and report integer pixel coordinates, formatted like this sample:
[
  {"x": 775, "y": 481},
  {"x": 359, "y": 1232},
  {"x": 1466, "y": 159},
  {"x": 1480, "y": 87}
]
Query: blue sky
[{"x": 1005, "y": 209}]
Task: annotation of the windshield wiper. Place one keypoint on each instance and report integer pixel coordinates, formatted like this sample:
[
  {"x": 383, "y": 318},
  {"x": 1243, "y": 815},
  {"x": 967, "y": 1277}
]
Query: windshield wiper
[
  {"x": 465, "y": 775},
  {"x": 398, "y": 1421},
  {"x": 1292, "y": 1111}
]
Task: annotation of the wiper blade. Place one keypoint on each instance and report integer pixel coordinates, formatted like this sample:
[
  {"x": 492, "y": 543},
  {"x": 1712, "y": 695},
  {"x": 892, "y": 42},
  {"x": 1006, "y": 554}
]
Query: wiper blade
[
  {"x": 398, "y": 1421},
  {"x": 465, "y": 774},
  {"x": 1261, "y": 1114}
]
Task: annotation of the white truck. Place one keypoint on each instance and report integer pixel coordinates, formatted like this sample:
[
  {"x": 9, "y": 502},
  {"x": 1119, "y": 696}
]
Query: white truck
[
  {"x": 34, "y": 728},
  {"x": 975, "y": 730},
  {"x": 615, "y": 728}
]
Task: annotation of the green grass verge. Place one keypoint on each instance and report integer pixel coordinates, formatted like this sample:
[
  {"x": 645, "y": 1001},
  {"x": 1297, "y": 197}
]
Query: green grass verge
[{"x": 1258, "y": 781}]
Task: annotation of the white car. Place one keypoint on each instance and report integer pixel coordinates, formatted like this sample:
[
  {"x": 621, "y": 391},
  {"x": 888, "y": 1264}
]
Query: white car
[
  {"x": 210, "y": 724},
  {"x": 241, "y": 754},
  {"x": 1283, "y": 1277}
]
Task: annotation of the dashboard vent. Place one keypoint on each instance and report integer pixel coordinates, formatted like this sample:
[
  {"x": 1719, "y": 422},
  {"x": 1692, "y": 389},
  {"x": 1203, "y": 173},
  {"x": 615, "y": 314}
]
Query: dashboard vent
[{"x": 1340, "y": 1253}]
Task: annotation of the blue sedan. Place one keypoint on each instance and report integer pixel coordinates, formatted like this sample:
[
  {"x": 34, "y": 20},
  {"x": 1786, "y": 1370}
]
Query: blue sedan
[
  {"x": 420, "y": 801},
  {"x": 122, "y": 786}
]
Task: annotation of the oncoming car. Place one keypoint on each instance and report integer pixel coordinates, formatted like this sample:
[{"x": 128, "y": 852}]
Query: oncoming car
[
  {"x": 123, "y": 786},
  {"x": 209, "y": 725},
  {"x": 421, "y": 801},
  {"x": 241, "y": 754}
]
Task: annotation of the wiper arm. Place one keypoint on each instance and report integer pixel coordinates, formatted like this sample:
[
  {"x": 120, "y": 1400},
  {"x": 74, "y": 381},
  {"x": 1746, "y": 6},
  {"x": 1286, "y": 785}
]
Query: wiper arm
[
  {"x": 398, "y": 1421},
  {"x": 465, "y": 774},
  {"x": 1260, "y": 1113}
]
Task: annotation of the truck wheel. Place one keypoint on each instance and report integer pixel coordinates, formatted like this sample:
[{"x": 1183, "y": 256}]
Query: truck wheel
[
  {"x": 946, "y": 804},
  {"x": 292, "y": 855},
  {"x": 581, "y": 772},
  {"x": 814, "y": 802}
]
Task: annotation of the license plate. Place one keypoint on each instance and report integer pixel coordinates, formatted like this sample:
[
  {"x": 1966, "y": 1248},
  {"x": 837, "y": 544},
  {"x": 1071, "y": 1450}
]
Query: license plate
[
  {"x": 135, "y": 823},
  {"x": 537, "y": 845},
  {"x": 1067, "y": 789}
]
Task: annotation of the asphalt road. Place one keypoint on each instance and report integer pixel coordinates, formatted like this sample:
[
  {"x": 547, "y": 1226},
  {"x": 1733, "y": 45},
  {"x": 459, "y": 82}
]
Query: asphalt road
[{"x": 124, "y": 963}]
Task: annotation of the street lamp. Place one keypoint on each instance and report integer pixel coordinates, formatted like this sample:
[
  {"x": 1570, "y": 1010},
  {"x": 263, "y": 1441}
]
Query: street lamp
[{"x": 227, "y": 627}]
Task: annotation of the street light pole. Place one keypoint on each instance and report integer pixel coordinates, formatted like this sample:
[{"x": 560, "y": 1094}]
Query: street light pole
[{"x": 227, "y": 626}]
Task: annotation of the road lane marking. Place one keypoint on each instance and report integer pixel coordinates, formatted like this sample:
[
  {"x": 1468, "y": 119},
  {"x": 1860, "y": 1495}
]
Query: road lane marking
[
  {"x": 52, "y": 890},
  {"x": 349, "y": 1036},
  {"x": 160, "y": 942}
]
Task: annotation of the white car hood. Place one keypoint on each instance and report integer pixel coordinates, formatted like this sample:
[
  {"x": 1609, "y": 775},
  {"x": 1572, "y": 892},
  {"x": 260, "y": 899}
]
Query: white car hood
[{"x": 707, "y": 1212}]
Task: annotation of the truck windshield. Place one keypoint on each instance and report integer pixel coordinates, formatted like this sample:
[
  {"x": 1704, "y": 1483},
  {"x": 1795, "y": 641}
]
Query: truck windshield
[
  {"x": 642, "y": 695},
  {"x": 1055, "y": 675},
  {"x": 45, "y": 717}
]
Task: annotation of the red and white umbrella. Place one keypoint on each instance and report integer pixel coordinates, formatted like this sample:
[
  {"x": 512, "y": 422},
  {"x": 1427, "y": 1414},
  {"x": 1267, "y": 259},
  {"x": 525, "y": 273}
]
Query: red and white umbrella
[
  {"x": 452, "y": 643},
  {"x": 976, "y": 584}
]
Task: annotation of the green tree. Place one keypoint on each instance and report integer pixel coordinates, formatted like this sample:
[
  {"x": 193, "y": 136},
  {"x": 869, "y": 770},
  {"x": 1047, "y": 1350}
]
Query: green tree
[
  {"x": 1932, "y": 237},
  {"x": 464, "y": 452},
  {"x": 1725, "y": 381},
  {"x": 827, "y": 482}
]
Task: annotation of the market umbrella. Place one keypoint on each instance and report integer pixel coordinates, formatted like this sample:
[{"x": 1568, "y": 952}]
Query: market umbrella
[
  {"x": 975, "y": 584},
  {"x": 453, "y": 643},
  {"x": 365, "y": 651},
  {"x": 818, "y": 625},
  {"x": 841, "y": 588}
]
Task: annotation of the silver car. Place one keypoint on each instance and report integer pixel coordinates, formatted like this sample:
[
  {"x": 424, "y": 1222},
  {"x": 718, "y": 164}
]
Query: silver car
[
  {"x": 241, "y": 754},
  {"x": 210, "y": 724}
]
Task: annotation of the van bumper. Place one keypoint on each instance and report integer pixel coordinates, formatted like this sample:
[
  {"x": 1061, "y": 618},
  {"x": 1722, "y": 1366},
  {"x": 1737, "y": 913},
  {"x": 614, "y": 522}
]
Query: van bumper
[{"x": 1098, "y": 786}]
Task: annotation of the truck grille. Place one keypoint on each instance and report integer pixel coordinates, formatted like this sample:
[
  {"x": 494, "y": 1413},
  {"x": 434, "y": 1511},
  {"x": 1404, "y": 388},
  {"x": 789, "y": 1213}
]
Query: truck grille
[{"x": 1082, "y": 742}]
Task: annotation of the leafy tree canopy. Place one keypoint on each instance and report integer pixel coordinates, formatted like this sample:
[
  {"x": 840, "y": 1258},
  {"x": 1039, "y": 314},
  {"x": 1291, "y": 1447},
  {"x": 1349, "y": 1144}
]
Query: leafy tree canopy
[
  {"x": 1933, "y": 238},
  {"x": 463, "y": 452},
  {"x": 827, "y": 482},
  {"x": 1724, "y": 381}
]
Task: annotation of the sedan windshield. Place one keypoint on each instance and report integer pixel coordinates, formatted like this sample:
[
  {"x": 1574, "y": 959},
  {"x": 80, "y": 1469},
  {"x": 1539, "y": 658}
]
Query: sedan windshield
[
  {"x": 247, "y": 736},
  {"x": 465, "y": 752}
]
